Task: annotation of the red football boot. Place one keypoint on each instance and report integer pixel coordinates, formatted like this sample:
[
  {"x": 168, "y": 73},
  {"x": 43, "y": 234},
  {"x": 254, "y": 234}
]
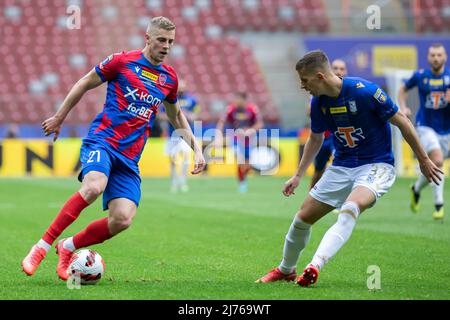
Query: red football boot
[
  {"x": 33, "y": 259},
  {"x": 277, "y": 275},
  {"x": 309, "y": 276},
  {"x": 63, "y": 261}
]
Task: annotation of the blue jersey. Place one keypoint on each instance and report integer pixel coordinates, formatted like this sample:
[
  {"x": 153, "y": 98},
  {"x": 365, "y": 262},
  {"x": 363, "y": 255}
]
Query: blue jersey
[
  {"x": 188, "y": 103},
  {"x": 434, "y": 111},
  {"x": 358, "y": 119}
]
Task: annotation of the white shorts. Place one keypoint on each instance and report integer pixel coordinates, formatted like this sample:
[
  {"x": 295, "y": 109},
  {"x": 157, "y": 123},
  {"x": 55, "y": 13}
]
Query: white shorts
[
  {"x": 338, "y": 182},
  {"x": 430, "y": 140},
  {"x": 176, "y": 145}
]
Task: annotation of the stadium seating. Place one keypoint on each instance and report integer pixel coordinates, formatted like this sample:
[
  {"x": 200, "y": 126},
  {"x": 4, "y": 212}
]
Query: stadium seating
[
  {"x": 214, "y": 63},
  {"x": 43, "y": 58},
  {"x": 431, "y": 15}
]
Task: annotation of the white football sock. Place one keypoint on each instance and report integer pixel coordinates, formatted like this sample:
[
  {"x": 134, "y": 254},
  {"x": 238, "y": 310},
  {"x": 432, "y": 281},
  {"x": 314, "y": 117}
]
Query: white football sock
[
  {"x": 173, "y": 174},
  {"x": 296, "y": 239},
  {"x": 421, "y": 183},
  {"x": 68, "y": 244},
  {"x": 438, "y": 191},
  {"x": 44, "y": 245},
  {"x": 337, "y": 235},
  {"x": 184, "y": 172}
]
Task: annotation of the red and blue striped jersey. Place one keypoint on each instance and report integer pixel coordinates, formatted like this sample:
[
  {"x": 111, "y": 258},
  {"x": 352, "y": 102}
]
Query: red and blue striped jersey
[
  {"x": 242, "y": 118},
  {"x": 136, "y": 88}
]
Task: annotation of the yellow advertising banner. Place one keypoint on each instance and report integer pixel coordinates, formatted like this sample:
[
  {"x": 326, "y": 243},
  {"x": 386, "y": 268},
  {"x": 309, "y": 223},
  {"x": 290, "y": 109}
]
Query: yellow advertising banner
[
  {"x": 42, "y": 158},
  {"x": 396, "y": 57}
]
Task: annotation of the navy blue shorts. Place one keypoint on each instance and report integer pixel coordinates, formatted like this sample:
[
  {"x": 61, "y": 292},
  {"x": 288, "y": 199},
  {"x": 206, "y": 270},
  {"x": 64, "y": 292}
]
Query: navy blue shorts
[
  {"x": 123, "y": 174},
  {"x": 324, "y": 155}
]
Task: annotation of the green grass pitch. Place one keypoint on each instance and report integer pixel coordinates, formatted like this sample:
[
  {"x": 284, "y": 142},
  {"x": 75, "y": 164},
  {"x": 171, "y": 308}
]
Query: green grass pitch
[{"x": 213, "y": 243}]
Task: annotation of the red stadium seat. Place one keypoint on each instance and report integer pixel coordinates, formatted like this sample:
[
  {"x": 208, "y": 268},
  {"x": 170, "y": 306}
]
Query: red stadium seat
[{"x": 214, "y": 68}]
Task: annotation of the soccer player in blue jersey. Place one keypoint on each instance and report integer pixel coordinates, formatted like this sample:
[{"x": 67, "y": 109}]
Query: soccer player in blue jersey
[
  {"x": 358, "y": 114},
  {"x": 138, "y": 83},
  {"x": 176, "y": 148},
  {"x": 432, "y": 120},
  {"x": 339, "y": 67}
]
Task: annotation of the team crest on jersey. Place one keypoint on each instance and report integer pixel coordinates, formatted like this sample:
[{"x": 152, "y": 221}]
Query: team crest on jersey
[
  {"x": 447, "y": 80},
  {"x": 162, "y": 79},
  {"x": 380, "y": 96},
  {"x": 352, "y": 106}
]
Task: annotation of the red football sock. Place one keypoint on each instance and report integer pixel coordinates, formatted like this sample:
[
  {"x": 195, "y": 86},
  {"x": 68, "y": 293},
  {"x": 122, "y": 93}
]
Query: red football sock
[
  {"x": 68, "y": 214},
  {"x": 96, "y": 232},
  {"x": 241, "y": 174}
]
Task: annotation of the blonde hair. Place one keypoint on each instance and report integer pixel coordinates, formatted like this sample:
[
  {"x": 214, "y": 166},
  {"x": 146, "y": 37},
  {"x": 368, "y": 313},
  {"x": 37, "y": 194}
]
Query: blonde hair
[{"x": 160, "y": 23}]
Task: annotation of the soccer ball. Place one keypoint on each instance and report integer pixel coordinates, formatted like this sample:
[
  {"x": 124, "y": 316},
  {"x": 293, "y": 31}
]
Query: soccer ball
[{"x": 88, "y": 265}]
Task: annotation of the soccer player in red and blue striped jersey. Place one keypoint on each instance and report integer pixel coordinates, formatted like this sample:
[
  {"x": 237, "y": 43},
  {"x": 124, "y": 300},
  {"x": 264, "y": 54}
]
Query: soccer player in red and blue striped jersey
[
  {"x": 246, "y": 119},
  {"x": 138, "y": 83}
]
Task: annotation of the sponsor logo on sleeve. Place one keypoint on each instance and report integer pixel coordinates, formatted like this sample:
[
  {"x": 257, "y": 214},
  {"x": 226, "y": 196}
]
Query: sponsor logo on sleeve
[
  {"x": 380, "y": 96},
  {"x": 108, "y": 59}
]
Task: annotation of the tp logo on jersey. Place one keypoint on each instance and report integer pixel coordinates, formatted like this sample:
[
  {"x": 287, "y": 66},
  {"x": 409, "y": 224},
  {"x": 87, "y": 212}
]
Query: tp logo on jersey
[{"x": 349, "y": 136}]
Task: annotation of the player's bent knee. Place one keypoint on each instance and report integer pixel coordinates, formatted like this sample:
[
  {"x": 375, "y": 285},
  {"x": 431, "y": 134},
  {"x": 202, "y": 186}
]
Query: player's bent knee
[
  {"x": 305, "y": 218},
  {"x": 121, "y": 219},
  {"x": 91, "y": 191},
  {"x": 118, "y": 225}
]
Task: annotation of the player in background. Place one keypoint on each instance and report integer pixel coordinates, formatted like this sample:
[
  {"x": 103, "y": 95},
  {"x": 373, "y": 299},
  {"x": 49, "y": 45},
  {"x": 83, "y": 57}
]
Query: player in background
[
  {"x": 244, "y": 117},
  {"x": 138, "y": 82},
  {"x": 358, "y": 113},
  {"x": 432, "y": 120},
  {"x": 339, "y": 67},
  {"x": 176, "y": 148}
]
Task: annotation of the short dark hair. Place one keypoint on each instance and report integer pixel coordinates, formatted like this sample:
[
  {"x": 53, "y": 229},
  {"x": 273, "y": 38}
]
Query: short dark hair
[
  {"x": 241, "y": 94},
  {"x": 312, "y": 61},
  {"x": 436, "y": 45}
]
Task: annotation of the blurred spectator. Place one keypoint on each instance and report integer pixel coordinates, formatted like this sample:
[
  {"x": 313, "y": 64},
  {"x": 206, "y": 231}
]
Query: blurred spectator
[
  {"x": 13, "y": 131},
  {"x": 73, "y": 132}
]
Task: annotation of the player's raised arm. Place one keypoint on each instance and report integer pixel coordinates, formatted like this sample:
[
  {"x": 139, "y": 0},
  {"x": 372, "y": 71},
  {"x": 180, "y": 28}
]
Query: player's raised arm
[
  {"x": 259, "y": 124},
  {"x": 402, "y": 97},
  {"x": 403, "y": 93},
  {"x": 179, "y": 122},
  {"x": 53, "y": 124},
  {"x": 428, "y": 168},
  {"x": 312, "y": 147}
]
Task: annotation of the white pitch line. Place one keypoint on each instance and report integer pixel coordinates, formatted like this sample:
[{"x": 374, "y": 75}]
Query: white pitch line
[{"x": 7, "y": 205}]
